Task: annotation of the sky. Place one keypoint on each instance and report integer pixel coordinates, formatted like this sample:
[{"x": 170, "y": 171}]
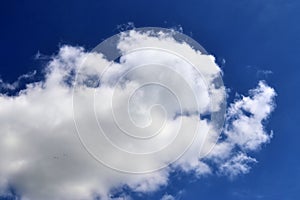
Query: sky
[{"x": 250, "y": 40}]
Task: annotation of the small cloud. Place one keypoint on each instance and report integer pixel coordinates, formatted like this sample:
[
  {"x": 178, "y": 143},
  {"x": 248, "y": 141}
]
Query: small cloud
[
  {"x": 239, "y": 164},
  {"x": 5, "y": 86},
  {"x": 40, "y": 56},
  {"x": 264, "y": 73},
  {"x": 168, "y": 197}
]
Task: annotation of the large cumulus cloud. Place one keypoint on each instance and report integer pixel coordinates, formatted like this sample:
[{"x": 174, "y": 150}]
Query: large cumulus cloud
[{"x": 42, "y": 156}]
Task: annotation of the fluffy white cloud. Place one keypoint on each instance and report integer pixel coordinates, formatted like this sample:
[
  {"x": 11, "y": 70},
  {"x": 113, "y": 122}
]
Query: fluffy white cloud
[
  {"x": 42, "y": 156},
  {"x": 246, "y": 116},
  {"x": 244, "y": 131}
]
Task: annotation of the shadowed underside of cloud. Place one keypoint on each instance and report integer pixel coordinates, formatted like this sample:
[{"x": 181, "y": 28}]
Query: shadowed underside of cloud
[{"x": 43, "y": 158}]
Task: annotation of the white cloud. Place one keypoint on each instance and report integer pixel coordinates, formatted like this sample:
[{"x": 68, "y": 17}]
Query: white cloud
[
  {"x": 244, "y": 131},
  {"x": 16, "y": 84},
  {"x": 247, "y": 115},
  {"x": 238, "y": 164},
  {"x": 168, "y": 197},
  {"x": 43, "y": 158}
]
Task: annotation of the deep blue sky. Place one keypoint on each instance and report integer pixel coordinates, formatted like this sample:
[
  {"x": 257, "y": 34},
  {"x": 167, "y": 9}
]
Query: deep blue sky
[{"x": 250, "y": 35}]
